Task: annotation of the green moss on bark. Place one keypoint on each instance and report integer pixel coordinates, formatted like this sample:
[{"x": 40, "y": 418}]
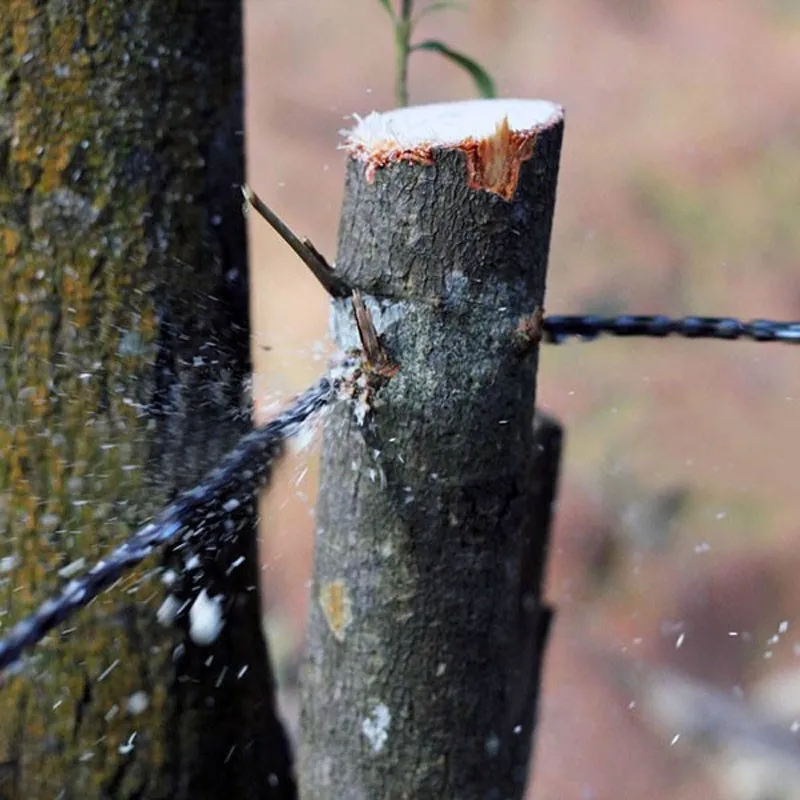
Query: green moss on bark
[{"x": 121, "y": 375}]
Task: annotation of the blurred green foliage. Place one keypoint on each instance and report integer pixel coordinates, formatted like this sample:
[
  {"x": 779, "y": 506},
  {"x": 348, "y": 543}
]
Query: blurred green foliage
[{"x": 404, "y": 21}]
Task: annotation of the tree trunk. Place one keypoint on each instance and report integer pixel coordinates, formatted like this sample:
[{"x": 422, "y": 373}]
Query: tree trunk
[
  {"x": 427, "y": 626},
  {"x": 124, "y": 364}
]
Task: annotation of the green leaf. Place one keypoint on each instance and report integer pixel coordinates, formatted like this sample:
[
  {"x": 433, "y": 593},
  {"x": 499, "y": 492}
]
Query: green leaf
[
  {"x": 439, "y": 5},
  {"x": 483, "y": 81},
  {"x": 388, "y": 6}
]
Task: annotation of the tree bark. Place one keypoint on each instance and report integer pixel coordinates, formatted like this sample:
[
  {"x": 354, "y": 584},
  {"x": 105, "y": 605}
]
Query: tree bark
[
  {"x": 124, "y": 365},
  {"x": 427, "y": 626}
]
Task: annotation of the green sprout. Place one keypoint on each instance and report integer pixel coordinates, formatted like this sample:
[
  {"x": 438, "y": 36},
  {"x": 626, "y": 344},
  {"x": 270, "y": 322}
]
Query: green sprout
[{"x": 404, "y": 21}]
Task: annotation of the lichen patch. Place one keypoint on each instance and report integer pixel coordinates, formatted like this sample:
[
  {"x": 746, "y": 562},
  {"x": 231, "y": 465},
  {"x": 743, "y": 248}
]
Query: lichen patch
[
  {"x": 334, "y": 598},
  {"x": 375, "y": 727}
]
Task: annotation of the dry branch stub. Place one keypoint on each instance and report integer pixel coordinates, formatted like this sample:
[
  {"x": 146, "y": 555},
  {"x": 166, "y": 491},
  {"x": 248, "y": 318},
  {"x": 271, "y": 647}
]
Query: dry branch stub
[{"x": 425, "y": 518}]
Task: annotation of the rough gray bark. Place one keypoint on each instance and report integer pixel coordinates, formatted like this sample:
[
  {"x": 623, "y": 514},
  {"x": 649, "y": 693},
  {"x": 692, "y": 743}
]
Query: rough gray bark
[
  {"x": 535, "y": 616},
  {"x": 426, "y": 603},
  {"x": 124, "y": 359}
]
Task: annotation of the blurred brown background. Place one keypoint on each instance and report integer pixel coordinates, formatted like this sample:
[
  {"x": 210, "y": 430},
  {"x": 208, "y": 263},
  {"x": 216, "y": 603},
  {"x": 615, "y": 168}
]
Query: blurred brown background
[{"x": 679, "y": 514}]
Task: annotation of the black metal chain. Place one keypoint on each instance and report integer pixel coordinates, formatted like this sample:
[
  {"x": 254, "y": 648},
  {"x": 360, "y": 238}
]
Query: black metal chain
[
  {"x": 558, "y": 329},
  {"x": 247, "y": 467}
]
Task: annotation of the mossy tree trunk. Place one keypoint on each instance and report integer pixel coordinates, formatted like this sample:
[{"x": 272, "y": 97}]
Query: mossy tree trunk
[{"x": 124, "y": 365}]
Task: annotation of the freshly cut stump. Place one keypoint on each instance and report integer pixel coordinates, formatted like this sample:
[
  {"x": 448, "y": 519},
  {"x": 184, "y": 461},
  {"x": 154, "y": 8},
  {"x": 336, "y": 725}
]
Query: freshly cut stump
[{"x": 427, "y": 626}]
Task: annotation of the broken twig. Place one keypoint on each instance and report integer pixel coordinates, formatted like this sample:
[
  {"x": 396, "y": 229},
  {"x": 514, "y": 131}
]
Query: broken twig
[
  {"x": 375, "y": 355},
  {"x": 311, "y": 257}
]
